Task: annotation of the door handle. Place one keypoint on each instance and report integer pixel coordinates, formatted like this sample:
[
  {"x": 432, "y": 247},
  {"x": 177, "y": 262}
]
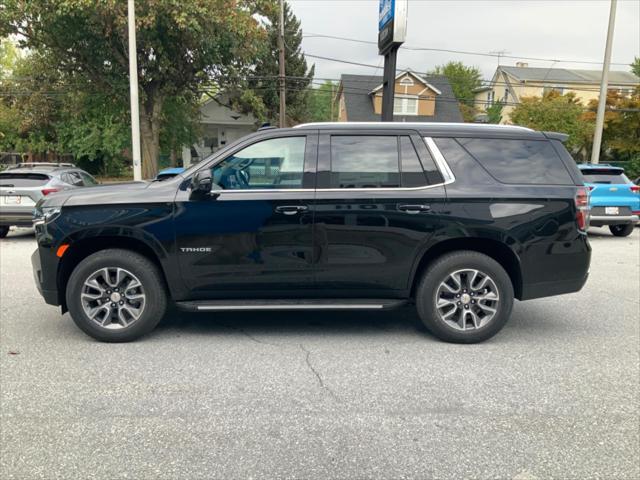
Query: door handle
[
  {"x": 412, "y": 209},
  {"x": 291, "y": 209}
]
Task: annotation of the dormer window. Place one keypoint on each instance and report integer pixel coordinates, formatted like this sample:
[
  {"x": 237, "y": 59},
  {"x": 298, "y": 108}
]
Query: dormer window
[{"x": 406, "y": 82}]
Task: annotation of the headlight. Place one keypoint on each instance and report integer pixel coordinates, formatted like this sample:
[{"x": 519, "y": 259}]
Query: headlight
[{"x": 45, "y": 215}]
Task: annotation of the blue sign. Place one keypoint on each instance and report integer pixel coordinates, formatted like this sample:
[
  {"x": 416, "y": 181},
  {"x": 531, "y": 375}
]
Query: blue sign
[{"x": 387, "y": 10}]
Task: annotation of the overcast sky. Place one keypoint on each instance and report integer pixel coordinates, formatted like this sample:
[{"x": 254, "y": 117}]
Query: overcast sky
[{"x": 565, "y": 30}]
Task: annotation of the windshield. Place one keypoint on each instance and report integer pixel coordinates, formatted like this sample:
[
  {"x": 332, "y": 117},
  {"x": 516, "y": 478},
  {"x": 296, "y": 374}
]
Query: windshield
[{"x": 601, "y": 175}]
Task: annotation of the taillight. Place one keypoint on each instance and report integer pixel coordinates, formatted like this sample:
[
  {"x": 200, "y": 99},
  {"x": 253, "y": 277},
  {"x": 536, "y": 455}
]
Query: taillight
[
  {"x": 47, "y": 191},
  {"x": 635, "y": 188},
  {"x": 582, "y": 208}
]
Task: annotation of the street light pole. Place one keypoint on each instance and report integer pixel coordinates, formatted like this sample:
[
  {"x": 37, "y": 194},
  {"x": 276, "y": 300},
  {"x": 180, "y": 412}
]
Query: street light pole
[
  {"x": 133, "y": 87},
  {"x": 602, "y": 101},
  {"x": 283, "y": 101}
]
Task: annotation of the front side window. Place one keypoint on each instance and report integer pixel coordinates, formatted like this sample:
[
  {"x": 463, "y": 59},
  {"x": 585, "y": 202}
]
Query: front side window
[
  {"x": 87, "y": 179},
  {"x": 270, "y": 164},
  {"x": 361, "y": 161}
]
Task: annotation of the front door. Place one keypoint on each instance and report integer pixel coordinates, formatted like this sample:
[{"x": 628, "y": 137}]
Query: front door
[
  {"x": 252, "y": 236},
  {"x": 379, "y": 200}
]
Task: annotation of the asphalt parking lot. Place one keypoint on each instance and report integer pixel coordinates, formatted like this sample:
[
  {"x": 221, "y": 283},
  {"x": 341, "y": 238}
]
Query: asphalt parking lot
[{"x": 326, "y": 395}]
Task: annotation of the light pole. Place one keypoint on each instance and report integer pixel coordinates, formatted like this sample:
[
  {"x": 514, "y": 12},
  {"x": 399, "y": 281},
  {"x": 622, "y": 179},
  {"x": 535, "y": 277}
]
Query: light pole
[
  {"x": 133, "y": 87},
  {"x": 602, "y": 101}
]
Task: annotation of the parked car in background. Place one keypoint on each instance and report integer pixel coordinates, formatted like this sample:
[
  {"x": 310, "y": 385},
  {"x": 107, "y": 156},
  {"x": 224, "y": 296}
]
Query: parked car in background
[
  {"x": 23, "y": 185},
  {"x": 169, "y": 173},
  {"x": 458, "y": 219},
  {"x": 614, "y": 200}
]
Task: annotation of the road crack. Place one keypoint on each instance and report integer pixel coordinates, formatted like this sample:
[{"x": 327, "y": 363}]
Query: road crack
[{"x": 316, "y": 373}]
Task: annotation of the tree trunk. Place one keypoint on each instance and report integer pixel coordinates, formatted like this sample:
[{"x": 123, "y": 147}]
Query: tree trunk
[
  {"x": 150, "y": 119},
  {"x": 173, "y": 158}
]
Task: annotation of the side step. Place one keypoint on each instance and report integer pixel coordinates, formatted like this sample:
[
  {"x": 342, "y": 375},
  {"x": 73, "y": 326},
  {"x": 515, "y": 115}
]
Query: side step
[{"x": 290, "y": 304}]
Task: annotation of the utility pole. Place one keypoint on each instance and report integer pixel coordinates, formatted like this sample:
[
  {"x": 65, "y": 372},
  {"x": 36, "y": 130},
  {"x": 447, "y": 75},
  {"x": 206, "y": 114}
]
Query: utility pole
[
  {"x": 602, "y": 101},
  {"x": 133, "y": 87},
  {"x": 283, "y": 100}
]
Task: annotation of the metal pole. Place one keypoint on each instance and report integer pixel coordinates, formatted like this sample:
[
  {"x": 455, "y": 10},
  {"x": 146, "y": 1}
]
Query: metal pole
[
  {"x": 283, "y": 101},
  {"x": 388, "y": 83},
  {"x": 602, "y": 101},
  {"x": 133, "y": 87}
]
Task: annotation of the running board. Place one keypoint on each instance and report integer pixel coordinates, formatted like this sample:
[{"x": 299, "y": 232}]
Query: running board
[{"x": 306, "y": 304}]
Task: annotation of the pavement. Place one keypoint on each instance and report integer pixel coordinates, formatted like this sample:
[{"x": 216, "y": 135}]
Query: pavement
[{"x": 326, "y": 395}]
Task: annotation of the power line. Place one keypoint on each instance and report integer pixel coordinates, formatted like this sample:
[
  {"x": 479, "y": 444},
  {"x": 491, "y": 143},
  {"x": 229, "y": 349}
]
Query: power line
[{"x": 462, "y": 52}]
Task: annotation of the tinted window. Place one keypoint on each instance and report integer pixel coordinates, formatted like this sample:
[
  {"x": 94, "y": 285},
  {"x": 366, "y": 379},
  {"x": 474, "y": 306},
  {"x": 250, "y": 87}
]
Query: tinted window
[
  {"x": 412, "y": 172},
  {"x": 22, "y": 179},
  {"x": 271, "y": 164},
  {"x": 87, "y": 179},
  {"x": 364, "y": 162},
  {"x": 604, "y": 176},
  {"x": 519, "y": 161}
]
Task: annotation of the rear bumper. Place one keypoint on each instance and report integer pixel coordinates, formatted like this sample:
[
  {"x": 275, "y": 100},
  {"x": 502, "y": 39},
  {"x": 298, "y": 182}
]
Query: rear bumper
[
  {"x": 549, "y": 289},
  {"x": 600, "y": 220},
  {"x": 16, "y": 219}
]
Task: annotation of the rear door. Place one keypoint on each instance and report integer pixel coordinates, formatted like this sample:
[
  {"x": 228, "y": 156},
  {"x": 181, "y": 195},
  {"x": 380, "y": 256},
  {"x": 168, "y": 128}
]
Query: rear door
[
  {"x": 19, "y": 192},
  {"x": 375, "y": 210}
]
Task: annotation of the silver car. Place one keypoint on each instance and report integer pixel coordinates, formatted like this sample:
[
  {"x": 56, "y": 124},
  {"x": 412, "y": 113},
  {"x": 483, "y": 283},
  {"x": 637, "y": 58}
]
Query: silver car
[{"x": 22, "y": 186}]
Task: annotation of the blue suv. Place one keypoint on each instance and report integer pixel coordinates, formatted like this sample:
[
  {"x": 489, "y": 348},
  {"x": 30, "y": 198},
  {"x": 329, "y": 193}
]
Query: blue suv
[{"x": 614, "y": 199}]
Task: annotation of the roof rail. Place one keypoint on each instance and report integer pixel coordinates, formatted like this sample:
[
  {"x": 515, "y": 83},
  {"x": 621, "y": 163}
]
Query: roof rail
[
  {"x": 415, "y": 124},
  {"x": 44, "y": 164}
]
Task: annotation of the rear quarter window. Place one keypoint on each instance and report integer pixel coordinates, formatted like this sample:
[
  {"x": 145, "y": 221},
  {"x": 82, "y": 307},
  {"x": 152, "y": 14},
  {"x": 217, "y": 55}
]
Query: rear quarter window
[
  {"x": 22, "y": 179},
  {"x": 518, "y": 161},
  {"x": 612, "y": 176}
]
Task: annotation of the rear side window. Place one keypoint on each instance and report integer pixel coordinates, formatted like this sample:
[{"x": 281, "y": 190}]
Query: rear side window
[
  {"x": 518, "y": 161},
  {"x": 23, "y": 179},
  {"x": 362, "y": 161},
  {"x": 601, "y": 175},
  {"x": 412, "y": 172}
]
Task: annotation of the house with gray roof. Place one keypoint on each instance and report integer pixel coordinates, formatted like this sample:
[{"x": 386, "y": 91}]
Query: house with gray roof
[
  {"x": 417, "y": 98},
  {"x": 510, "y": 84}
]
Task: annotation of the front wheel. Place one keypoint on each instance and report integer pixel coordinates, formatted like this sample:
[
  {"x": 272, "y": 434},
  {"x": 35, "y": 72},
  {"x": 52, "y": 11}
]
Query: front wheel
[
  {"x": 4, "y": 231},
  {"x": 621, "y": 230},
  {"x": 464, "y": 297},
  {"x": 116, "y": 295}
]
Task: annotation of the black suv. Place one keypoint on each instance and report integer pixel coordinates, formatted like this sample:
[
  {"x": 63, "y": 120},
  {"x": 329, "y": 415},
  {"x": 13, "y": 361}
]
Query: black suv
[{"x": 459, "y": 219}]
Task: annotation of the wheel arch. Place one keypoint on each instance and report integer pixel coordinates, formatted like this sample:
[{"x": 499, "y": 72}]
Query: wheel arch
[
  {"x": 495, "y": 249},
  {"x": 81, "y": 248}
]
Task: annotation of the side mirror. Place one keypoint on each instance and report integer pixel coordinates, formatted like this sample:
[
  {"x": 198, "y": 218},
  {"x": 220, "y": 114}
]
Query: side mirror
[{"x": 202, "y": 182}]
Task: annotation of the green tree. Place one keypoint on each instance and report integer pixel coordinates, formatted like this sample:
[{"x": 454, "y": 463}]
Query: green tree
[
  {"x": 558, "y": 113},
  {"x": 298, "y": 74},
  {"x": 635, "y": 66},
  {"x": 322, "y": 102},
  {"x": 494, "y": 112},
  {"x": 464, "y": 80},
  {"x": 182, "y": 47}
]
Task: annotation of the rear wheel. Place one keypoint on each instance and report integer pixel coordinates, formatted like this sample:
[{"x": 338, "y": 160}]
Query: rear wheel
[
  {"x": 116, "y": 295},
  {"x": 4, "y": 231},
  {"x": 464, "y": 297},
  {"x": 621, "y": 230}
]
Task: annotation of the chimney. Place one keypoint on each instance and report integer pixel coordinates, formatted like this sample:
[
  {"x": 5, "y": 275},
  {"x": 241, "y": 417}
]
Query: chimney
[{"x": 522, "y": 64}]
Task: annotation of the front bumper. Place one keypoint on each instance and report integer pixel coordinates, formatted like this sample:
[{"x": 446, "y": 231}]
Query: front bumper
[
  {"x": 45, "y": 281},
  {"x": 600, "y": 220}
]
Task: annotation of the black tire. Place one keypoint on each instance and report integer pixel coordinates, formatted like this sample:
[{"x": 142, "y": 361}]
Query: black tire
[
  {"x": 438, "y": 271},
  {"x": 4, "y": 231},
  {"x": 149, "y": 276},
  {"x": 623, "y": 230}
]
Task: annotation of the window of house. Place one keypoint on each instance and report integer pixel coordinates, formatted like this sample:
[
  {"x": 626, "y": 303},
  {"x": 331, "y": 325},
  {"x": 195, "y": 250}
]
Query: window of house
[
  {"x": 270, "y": 164},
  {"x": 490, "y": 97},
  {"x": 405, "y": 105},
  {"x": 406, "y": 82},
  {"x": 547, "y": 90},
  {"x": 364, "y": 161}
]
